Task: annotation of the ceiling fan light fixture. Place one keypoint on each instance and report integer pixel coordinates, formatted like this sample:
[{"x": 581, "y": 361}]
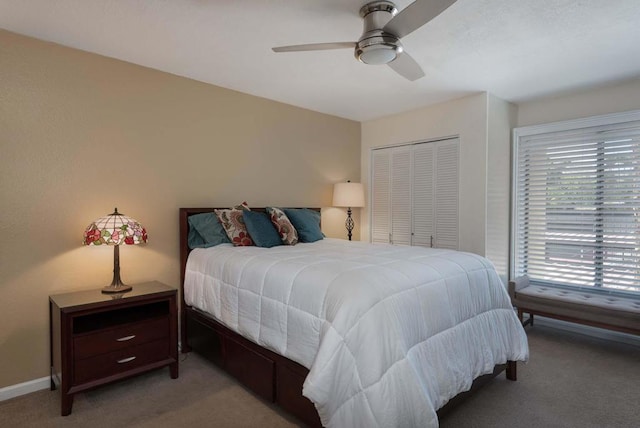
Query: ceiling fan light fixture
[
  {"x": 381, "y": 49},
  {"x": 378, "y": 54}
]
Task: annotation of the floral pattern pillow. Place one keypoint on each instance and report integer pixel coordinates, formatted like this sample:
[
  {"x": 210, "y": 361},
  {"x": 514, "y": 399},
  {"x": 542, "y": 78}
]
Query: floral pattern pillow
[
  {"x": 287, "y": 232},
  {"x": 233, "y": 224}
]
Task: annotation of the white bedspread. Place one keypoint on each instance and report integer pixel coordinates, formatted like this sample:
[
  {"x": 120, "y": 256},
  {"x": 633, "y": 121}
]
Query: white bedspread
[{"x": 389, "y": 333}]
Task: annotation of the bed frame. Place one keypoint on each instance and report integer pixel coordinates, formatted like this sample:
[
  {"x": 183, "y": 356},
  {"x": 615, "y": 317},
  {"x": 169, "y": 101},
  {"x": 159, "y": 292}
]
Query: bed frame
[{"x": 270, "y": 375}]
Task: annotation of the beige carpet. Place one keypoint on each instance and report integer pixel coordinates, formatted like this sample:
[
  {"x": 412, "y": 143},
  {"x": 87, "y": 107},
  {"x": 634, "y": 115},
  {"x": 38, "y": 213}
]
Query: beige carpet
[{"x": 570, "y": 381}]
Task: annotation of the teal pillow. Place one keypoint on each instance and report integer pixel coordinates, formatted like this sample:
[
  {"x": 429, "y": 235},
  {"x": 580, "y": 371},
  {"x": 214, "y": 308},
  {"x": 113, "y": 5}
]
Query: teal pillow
[
  {"x": 194, "y": 240},
  {"x": 205, "y": 231},
  {"x": 306, "y": 222},
  {"x": 260, "y": 229}
]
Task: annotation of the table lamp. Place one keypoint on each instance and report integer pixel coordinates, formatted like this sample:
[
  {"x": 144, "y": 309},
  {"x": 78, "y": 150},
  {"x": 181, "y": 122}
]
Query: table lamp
[
  {"x": 115, "y": 229},
  {"x": 349, "y": 195}
]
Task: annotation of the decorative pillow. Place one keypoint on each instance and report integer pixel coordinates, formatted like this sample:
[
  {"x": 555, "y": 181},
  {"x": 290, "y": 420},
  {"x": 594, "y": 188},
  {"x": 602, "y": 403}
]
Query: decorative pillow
[
  {"x": 243, "y": 207},
  {"x": 287, "y": 232},
  {"x": 307, "y": 223},
  {"x": 233, "y": 224},
  {"x": 205, "y": 231},
  {"x": 261, "y": 230}
]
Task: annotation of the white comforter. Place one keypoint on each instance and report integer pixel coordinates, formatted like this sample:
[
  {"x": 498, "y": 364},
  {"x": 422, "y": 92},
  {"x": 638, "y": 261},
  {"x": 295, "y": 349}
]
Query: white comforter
[{"x": 389, "y": 333}]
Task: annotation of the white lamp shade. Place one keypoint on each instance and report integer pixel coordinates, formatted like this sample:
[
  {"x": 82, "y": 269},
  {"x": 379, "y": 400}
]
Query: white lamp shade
[{"x": 350, "y": 195}]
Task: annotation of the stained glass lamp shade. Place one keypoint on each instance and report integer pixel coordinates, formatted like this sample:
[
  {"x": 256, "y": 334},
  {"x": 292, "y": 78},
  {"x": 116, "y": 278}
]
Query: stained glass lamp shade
[{"x": 115, "y": 229}]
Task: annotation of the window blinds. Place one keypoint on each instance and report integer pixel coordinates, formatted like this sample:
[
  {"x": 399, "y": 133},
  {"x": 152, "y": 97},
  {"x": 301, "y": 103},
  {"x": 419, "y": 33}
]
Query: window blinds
[{"x": 577, "y": 206}]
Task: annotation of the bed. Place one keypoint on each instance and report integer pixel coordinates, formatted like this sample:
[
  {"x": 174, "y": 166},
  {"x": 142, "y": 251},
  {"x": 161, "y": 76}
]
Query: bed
[{"x": 343, "y": 333}]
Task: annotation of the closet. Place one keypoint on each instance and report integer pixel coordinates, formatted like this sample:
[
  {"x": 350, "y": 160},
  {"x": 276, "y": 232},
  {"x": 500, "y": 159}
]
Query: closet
[{"x": 414, "y": 194}]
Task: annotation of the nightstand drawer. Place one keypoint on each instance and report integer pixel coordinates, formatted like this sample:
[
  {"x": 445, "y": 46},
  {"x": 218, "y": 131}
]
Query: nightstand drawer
[
  {"x": 120, "y": 361},
  {"x": 114, "y": 339}
]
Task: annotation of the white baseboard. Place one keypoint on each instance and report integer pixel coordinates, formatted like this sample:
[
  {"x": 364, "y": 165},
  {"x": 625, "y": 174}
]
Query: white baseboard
[
  {"x": 586, "y": 330},
  {"x": 25, "y": 388}
]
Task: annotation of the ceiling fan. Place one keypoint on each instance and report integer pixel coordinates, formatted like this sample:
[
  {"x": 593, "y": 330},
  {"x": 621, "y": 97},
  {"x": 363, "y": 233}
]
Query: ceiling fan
[{"x": 383, "y": 29}]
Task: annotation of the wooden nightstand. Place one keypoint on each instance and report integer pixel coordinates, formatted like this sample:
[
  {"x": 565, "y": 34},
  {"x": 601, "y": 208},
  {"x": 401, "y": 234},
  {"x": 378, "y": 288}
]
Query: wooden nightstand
[{"x": 99, "y": 338}]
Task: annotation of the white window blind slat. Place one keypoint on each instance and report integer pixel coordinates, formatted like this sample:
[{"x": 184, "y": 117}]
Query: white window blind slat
[{"x": 577, "y": 206}]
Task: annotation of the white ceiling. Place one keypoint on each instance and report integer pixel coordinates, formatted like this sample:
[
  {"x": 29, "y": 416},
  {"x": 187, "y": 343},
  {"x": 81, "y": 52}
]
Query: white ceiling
[{"x": 515, "y": 49}]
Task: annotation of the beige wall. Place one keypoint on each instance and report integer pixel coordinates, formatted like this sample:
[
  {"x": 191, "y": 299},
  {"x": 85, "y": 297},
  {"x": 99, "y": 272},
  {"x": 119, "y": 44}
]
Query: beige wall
[
  {"x": 501, "y": 120},
  {"x": 81, "y": 134},
  {"x": 613, "y": 98}
]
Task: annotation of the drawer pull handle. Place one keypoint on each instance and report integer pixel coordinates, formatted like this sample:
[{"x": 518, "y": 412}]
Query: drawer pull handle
[
  {"x": 126, "y": 360},
  {"x": 124, "y": 339}
]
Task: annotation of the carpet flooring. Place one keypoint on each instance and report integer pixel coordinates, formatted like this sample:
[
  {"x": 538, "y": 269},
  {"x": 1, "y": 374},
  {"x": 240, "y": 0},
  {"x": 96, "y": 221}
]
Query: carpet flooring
[{"x": 570, "y": 381}]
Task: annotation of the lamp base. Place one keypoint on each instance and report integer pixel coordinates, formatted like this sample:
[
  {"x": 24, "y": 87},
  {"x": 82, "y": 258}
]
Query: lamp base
[
  {"x": 116, "y": 285},
  {"x": 121, "y": 288},
  {"x": 349, "y": 223}
]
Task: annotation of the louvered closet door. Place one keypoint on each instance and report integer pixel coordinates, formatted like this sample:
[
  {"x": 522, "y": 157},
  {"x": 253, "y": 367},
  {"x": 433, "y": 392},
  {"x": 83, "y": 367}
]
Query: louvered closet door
[
  {"x": 423, "y": 194},
  {"x": 446, "y": 192},
  {"x": 380, "y": 196},
  {"x": 415, "y": 194},
  {"x": 401, "y": 195}
]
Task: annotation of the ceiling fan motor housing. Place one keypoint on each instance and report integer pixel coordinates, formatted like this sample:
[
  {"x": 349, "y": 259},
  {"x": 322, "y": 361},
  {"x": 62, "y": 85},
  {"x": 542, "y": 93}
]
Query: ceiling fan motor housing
[{"x": 375, "y": 45}]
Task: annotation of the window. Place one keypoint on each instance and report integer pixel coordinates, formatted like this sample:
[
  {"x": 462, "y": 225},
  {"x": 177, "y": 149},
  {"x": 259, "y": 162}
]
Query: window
[{"x": 576, "y": 203}]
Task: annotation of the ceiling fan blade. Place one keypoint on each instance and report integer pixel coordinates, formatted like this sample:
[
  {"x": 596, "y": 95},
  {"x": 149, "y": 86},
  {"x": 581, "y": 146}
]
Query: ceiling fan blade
[
  {"x": 407, "y": 67},
  {"x": 415, "y": 16},
  {"x": 315, "y": 47}
]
